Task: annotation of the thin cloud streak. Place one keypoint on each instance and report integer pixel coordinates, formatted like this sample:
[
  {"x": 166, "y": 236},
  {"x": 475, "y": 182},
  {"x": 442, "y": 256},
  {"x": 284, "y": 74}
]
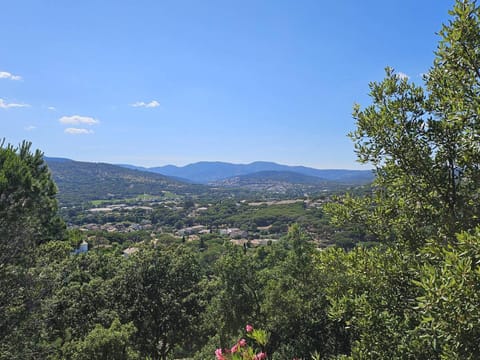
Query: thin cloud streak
[
  {"x": 151, "y": 104},
  {"x": 5, "y": 105},
  {"x": 7, "y": 75},
  {"x": 77, "y": 119}
]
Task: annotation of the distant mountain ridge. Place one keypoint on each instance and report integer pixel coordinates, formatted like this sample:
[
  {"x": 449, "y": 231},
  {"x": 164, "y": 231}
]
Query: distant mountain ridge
[
  {"x": 211, "y": 171},
  {"x": 86, "y": 181}
]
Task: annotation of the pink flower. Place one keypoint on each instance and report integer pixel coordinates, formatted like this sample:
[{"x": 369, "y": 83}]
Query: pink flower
[
  {"x": 260, "y": 356},
  {"x": 249, "y": 328},
  {"x": 242, "y": 342},
  {"x": 218, "y": 354},
  {"x": 234, "y": 348}
]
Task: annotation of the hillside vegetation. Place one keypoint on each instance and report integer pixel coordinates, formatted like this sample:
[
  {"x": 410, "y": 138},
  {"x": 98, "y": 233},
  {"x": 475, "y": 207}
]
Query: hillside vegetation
[{"x": 84, "y": 181}]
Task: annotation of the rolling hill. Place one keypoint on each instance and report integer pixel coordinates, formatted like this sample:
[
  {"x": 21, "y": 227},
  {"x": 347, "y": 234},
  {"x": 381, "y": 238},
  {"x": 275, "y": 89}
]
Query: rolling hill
[
  {"x": 84, "y": 181},
  {"x": 271, "y": 176},
  {"x": 279, "y": 182}
]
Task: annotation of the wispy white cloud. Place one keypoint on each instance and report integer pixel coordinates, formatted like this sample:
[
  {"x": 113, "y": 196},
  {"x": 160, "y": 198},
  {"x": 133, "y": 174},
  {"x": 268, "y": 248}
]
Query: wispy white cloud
[
  {"x": 402, "y": 76},
  {"x": 78, "y": 131},
  {"x": 77, "y": 119},
  {"x": 151, "y": 104},
  {"x": 53, "y": 108},
  {"x": 30, "y": 128},
  {"x": 5, "y": 105},
  {"x": 7, "y": 75}
]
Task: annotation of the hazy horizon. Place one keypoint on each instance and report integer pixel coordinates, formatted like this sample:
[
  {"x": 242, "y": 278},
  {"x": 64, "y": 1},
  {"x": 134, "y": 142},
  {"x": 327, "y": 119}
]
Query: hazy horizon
[{"x": 204, "y": 161}]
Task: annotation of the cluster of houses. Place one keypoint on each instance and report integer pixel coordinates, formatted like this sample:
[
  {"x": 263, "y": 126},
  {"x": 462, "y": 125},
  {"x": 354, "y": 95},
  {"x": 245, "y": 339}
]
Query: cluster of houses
[
  {"x": 233, "y": 233},
  {"x": 236, "y": 235},
  {"x": 114, "y": 207},
  {"x": 191, "y": 233},
  {"x": 122, "y": 227}
]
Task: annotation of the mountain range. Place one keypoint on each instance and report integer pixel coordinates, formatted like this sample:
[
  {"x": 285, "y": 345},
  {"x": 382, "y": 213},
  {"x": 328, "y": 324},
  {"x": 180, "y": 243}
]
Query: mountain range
[
  {"x": 85, "y": 181},
  {"x": 205, "y": 172}
]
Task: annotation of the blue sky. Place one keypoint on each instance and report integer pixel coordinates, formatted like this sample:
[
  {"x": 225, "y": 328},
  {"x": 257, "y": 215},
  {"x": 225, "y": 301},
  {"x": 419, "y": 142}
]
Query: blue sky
[{"x": 174, "y": 82}]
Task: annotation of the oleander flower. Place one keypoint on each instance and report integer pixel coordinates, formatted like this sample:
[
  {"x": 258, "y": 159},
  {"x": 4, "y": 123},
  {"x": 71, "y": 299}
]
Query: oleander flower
[
  {"x": 219, "y": 355},
  {"x": 260, "y": 356},
  {"x": 246, "y": 351}
]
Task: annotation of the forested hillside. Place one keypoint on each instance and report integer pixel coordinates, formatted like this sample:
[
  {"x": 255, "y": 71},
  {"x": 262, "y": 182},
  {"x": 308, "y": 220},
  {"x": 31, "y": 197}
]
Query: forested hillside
[
  {"x": 414, "y": 295},
  {"x": 83, "y": 181}
]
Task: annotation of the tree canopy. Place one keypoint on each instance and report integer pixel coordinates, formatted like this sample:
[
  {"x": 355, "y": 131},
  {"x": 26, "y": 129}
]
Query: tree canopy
[
  {"x": 422, "y": 141},
  {"x": 28, "y": 207}
]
